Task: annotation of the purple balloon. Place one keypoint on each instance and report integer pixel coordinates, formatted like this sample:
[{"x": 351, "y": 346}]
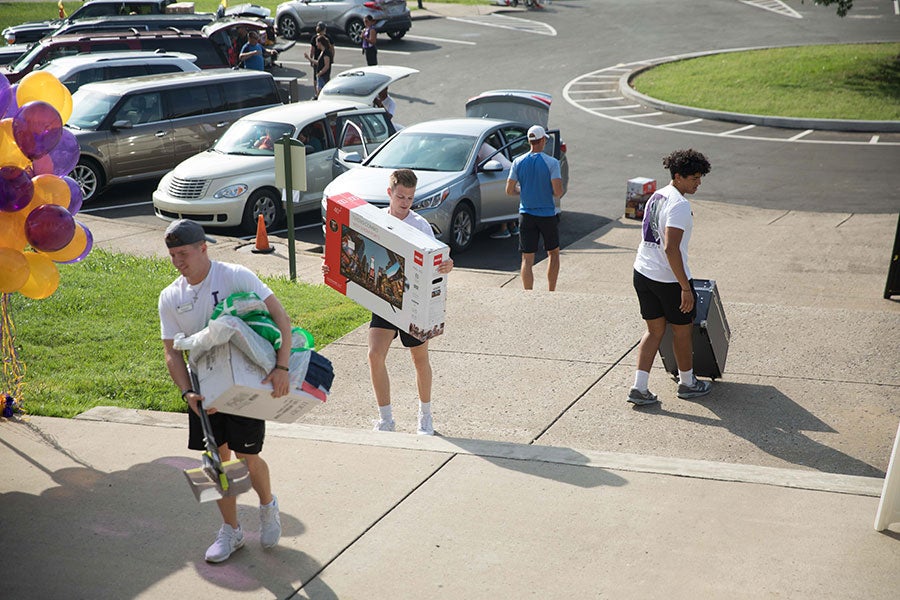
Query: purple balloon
[
  {"x": 13, "y": 106},
  {"x": 49, "y": 228},
  {"x": 87, "y": 246},
  {"x": 5, "y": 94},
  {"x": 41, "y": 166},
  {"x": 16, "y": 189},
  {"x": 76, "y": 197},
  {"x": 65, "y": 154},
  {"x": 37, "y": 128}
]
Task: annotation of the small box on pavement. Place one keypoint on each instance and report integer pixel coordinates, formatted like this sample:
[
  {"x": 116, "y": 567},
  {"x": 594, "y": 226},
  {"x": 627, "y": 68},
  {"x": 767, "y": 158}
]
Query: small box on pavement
[
  {"x": 231, "y": 383},
  {"x": 636, "y": 195},
  {"x": 385, "y": 265}
]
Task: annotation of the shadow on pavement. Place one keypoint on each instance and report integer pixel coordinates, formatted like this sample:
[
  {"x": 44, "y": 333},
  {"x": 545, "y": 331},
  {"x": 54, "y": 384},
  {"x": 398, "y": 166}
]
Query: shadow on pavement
[{"x": 775, "y": 424}]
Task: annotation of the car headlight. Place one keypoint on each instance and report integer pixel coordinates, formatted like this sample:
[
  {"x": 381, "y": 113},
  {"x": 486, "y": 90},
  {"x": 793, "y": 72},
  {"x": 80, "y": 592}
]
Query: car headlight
[
  {"x": 432, "y": 201},
  {"x": 232, "y": 191}
]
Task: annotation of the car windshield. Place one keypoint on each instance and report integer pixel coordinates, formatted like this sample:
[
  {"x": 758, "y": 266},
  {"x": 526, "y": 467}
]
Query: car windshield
[
  {"x": 89, "y": 108},
  {"x": 253, "y": 138},
  {"x": 425, "y": 152},
  {"x": 26, "y": 59},
  {"x": 356, "y": 84}
]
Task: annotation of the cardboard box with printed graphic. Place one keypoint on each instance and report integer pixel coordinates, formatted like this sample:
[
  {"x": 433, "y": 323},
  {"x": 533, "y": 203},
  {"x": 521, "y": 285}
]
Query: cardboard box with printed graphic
[
  {"x": 637, "y": 193},
  {"x": 386, "y": 266},
  {"x": 231, "y": 383}
]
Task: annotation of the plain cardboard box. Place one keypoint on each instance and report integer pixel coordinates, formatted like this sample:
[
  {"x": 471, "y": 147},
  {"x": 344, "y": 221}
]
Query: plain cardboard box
[
  {"x": 180, "y": 7},
  {"x": 231, "y": 383},
  {"x": 386, "y": 266}
]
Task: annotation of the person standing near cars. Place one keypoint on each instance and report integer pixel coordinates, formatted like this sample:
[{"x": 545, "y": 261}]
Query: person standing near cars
[
  {"x": 369, "y": 41},
  {"x": 185, "y": 307},
  {"x": 324, "y": 60},
  {"x": 662, "y": 278},
  {"x": 312, "y": 54},
  {"x": 535, "y": 177},
  {"x": 253, "y": 54}
]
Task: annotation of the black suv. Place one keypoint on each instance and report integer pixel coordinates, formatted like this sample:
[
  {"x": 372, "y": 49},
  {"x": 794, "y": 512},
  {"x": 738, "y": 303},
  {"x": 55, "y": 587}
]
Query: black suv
[{"x": 35, "y": 30}]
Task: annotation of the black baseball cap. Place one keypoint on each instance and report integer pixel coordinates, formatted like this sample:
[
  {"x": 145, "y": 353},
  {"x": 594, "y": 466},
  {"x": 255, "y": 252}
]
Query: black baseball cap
[{"x": 183, "y": 232}]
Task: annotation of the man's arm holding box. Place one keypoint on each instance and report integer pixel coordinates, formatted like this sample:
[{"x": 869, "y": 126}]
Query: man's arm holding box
[{"x": 280, "y": 377}]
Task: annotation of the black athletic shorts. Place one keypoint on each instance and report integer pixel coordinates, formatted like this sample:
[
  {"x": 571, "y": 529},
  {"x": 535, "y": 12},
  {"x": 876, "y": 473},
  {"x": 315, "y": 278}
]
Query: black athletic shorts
[
  {"x": 658, "y": 299},
  {"x": 531, "y": 228},
  {"x": 242, "y": 434},
  {"x": 407, "y": 340}
]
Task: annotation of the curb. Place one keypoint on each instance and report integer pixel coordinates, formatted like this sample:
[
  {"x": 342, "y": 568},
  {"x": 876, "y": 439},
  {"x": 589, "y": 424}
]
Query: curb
[{"x": 770, "y": 121}]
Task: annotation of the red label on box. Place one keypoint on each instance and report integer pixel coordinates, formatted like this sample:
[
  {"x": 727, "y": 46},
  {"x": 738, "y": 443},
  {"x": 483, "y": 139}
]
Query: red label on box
[
  {"x": 438, "y": 259},
  {"x": 418, "y": 258}
]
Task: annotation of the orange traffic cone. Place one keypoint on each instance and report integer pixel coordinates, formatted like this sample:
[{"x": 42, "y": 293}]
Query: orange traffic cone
[{"x": 262, "y": 238}]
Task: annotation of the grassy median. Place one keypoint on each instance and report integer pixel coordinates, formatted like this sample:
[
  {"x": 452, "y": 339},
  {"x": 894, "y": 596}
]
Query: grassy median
[
  {"x": 95, "y": 341},
  {"x": 853, "y": 81}
]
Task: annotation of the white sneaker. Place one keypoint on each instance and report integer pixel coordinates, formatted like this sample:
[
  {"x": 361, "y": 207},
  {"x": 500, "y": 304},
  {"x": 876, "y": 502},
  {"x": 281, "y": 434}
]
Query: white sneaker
[
  {"x": 382, "y": 425},
  {"x": 426, "y": 425},
  {"x": 227, "y": 541},
  {"x": 269, "y": 524}
]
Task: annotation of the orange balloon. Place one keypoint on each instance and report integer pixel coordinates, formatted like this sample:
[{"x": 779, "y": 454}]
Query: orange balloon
[
  {"x": 50, "y": 189},
  {"x": 14, "y": 270},
  {"x": 44, "y": 86},
  {"x": 10, "y": 154},
  {"x": 12, "y": 231},
  {"x": 43, "y": 279},
  {"x": 73, "y": 249}
]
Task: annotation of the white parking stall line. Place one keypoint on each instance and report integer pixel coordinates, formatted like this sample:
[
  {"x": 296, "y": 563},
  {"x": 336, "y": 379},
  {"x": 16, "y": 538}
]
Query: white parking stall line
[
  {"x": 801, "y": 135},
  {"x": 680, "y": 123},
  {"x": 622, "y": 107},
  {"x": 610, "y": 99},
  {"x": 113, "y": 207},
  {"x": 641, "y": 115},
  {"x": 400, "y": 52},
  {"x": 874, "y": 139},
  {"x": 897, "y": 7},
  {"x": 738, "y": 130},
  {"x": 434, "y": 39},
  {"x": 529, "y": 27},
  {"x": 609, "y": 88},
  {"x": 775, "y": 6}
]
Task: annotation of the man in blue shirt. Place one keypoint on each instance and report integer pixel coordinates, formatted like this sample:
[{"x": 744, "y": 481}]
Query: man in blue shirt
[
  {"x": 535, "y": 178},
  {"x": 252, "y": 54}
]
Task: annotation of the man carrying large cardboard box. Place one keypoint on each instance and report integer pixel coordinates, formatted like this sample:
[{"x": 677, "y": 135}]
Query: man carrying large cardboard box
[{"x": 382, "y": 332}]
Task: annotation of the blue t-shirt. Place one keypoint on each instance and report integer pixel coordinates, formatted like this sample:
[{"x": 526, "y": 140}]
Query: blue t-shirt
[
  {"x": 535, "y": 171},
  {"x": 256, "y": 61}
]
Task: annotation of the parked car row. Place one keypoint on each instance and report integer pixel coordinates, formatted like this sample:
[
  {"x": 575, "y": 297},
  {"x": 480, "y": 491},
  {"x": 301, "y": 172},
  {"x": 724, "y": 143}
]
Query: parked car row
[{"x": 343, "y": 17}]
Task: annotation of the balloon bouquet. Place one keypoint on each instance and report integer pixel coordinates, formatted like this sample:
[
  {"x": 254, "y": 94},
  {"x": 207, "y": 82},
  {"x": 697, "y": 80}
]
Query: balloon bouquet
[{"x": 37, "y": 204}]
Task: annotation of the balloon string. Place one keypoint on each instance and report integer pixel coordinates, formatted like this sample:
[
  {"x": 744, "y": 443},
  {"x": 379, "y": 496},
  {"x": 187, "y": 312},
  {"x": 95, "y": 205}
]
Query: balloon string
[{"x": 13, "y": 366}]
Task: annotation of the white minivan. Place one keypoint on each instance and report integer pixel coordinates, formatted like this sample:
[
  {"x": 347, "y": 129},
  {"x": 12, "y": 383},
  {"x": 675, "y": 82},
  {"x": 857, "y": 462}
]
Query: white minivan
[{"x": 77, "y": 70}]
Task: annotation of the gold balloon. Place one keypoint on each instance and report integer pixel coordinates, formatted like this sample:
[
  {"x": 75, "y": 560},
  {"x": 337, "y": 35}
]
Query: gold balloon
[
  {"x": 44, "y": 86},
  {"x": 14, "y": 270},
  {"x": 10, "y": 154},
  {"x": 43, "y": 279},
  {"x": 73, "y": 249},
  {"x": 12, "y": 231},
  {"x": 50, "y": 189}
]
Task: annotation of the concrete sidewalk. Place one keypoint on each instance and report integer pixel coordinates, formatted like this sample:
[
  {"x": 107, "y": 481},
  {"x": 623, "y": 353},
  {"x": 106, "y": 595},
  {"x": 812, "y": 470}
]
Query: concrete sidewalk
[{"x": 544, "y": 482}]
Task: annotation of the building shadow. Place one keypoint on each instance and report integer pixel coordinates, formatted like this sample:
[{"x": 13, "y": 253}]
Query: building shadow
[{"x": 775, "y": 424}]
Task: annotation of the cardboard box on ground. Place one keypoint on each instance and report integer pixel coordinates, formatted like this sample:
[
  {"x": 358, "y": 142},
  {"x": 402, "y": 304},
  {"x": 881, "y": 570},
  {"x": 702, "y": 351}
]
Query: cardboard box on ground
[
  {"x": 386, "y": 266},
  {"x": 231, "y": 383}
]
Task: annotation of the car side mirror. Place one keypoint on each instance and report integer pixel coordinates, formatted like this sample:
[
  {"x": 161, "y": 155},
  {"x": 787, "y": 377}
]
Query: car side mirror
[
  {"x": 352, "y": 157},
  {"x": 123, "y": 124},
  {"x": 492, "y": 166}
]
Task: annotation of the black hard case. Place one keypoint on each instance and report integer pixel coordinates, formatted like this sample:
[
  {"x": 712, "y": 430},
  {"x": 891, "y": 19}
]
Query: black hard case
[{"x": 711, "y": 334}]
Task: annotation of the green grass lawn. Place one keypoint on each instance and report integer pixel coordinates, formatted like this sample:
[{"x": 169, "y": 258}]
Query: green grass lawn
[
  {"x": 853, "y": 81},
  {"x": 95, "y": 341}
]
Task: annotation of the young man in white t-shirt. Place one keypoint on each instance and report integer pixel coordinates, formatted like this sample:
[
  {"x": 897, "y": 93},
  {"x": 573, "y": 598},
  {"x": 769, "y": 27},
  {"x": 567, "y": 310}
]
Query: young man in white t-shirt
[
  {"x": 662, "y": 278},
  {"x": 185, "y": 306}
]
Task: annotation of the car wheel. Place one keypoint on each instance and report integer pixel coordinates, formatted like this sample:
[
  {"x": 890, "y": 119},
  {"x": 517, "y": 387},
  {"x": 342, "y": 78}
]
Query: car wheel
[
  {"x": 262, "y": 202},
  {"x": 288, "y": 27},
  {"x": 354, "y": 30},
  {"x": 89, "y": 177},
  {"x": 462, "y": 227},
  {"x": 396, "y": 35}
]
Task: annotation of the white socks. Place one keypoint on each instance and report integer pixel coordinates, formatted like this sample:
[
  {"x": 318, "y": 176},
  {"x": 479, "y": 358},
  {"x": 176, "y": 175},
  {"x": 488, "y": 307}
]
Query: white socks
[
  {"x": 386, "y": 413},
  {"x": 686, "y": 377},
  {"x": 424, "y": 408},
  {"x": 641, "y": 380}
]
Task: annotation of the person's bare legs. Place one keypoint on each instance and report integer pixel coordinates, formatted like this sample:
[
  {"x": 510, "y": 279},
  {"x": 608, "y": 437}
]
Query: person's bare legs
[
  {"x": 527, "y": 270},
  {"x": 649, "y": 345},
  {"x": 683, "y": 346},
  {"x": 379, "y": 344},
  {"x": 552, "y": 268},
  {"x": 259, "y": 476}
]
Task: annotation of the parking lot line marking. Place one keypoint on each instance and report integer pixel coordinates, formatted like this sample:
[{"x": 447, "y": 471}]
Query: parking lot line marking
[
  {"x": 527, "y": 29},
  {"x": 775, "y": 6},
  {"x": 641, "y": 115},
  {"x": 434, "y": 39},
  {"x": 621, "y": 107},
  {"x": 611, "y": 99},
  {"x": 874, "y": 139},
  {"x": 114, "y": 207},
  {"x": 897, "y": 7},
  {"x": 802, "y": 134},
  {"x": 382, "y": 51},
  {"x": 738, "y": 130},
  {"x": 679, "y": 123}
]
